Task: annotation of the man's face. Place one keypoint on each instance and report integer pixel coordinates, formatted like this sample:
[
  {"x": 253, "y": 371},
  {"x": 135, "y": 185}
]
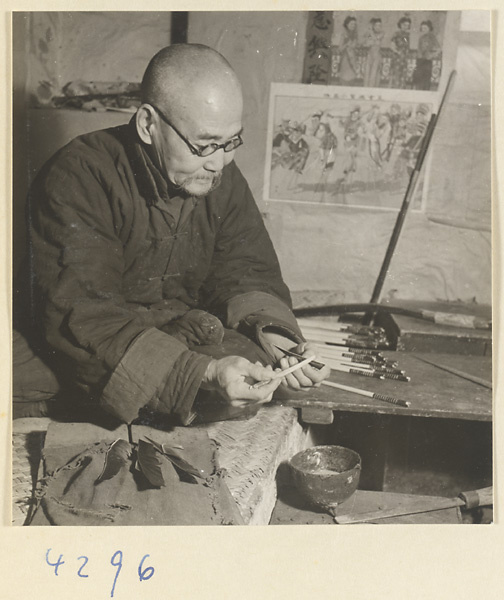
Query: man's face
[
  {"x": 377, "y": 26},
  {"x": 192, "y": 174}
]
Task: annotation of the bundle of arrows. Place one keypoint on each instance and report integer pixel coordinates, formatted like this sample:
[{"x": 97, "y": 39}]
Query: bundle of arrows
[
  {"x": 352, "y": 348},
  {"x": 344, "y": 334}
]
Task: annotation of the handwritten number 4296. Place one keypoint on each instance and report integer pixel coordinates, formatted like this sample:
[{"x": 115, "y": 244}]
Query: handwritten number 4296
[{"x": 144, "y": 573}]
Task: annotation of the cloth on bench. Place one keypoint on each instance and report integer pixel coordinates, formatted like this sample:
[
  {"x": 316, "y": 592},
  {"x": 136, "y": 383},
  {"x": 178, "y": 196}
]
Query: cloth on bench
[{"x": 72, "y": 493}]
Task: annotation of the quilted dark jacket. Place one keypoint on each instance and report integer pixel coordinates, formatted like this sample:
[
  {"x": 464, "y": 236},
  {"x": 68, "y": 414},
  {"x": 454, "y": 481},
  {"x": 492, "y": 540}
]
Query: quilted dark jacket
[{"x": 112, "y": 263}]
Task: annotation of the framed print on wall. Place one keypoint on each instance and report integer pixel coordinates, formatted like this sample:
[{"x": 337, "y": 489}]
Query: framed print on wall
[
  {"x": 346, "y": 147},
  {"x": 377, "y": 48}
]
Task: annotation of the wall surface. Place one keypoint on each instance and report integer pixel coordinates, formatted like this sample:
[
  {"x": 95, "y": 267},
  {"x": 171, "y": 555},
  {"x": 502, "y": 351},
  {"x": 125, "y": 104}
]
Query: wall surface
[
  {"x": 332, "y": 254},
  {"x": 328, "y": 253},
  {"x": 262, "y": 47},
  {"x": 91, "y": 46},
  {"x": 52, "y": 49}
]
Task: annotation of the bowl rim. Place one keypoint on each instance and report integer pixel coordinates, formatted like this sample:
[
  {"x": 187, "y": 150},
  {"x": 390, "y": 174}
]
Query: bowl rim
[{"x": 355, "y": 454}]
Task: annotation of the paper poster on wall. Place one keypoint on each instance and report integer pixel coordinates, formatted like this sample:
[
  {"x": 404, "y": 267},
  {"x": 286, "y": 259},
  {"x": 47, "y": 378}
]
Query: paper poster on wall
[
  {"x": 386, "y": 49},
  {"x": 339, "y": 146}
]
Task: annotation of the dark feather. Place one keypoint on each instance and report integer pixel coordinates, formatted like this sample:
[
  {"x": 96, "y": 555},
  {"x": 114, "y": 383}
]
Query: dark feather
[
  {"x": 171, "y": 453},
  {"x": 150, "y": 464},
  {"x": 182, "y": 464},
  {"x": 160, "y": 447},
  {"x": 116, "y": 457}
]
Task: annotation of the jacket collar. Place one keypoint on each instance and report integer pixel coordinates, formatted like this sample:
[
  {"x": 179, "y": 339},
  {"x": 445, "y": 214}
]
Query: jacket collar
[{"x": 151, "y": 183}]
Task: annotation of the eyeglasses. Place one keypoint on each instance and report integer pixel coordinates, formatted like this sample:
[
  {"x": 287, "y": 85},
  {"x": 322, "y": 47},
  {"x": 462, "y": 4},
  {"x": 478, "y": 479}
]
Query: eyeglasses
[{"x": 202, "y": 151}]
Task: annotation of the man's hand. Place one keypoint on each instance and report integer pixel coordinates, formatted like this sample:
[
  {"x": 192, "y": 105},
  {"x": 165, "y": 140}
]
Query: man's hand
[
  {"x": 307, "y": 376},
  {"x": 232, "y": 378}
]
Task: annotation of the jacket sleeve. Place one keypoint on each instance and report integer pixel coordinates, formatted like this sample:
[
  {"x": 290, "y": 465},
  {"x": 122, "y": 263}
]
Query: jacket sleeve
[
  {"x": 77, "y": 265},
  {"x": 245, "y": 278}
]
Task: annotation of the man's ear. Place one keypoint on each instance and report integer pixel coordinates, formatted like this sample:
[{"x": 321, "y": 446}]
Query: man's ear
[{"x": 144, "y": 123}]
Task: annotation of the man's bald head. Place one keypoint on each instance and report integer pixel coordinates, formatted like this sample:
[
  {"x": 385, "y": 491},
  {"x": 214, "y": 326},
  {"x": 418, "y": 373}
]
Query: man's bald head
[
  {"x": 186, "y": 77},
  {"x": 191, "y": 101}
]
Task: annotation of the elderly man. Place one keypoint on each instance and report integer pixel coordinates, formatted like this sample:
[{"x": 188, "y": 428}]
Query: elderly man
[{"x": 153, "y": 279}]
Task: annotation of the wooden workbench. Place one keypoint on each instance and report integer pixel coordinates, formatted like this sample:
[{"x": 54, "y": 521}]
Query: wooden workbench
[
  {"x": 432, "y": 392},
  {"x": 252, "y": 451},
  {"x": 292, "y": 509}
]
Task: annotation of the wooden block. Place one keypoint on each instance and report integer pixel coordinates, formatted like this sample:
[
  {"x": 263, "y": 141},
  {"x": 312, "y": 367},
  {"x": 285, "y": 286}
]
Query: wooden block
[
  {"x": 419, "y": 335},
  {"x": 252, "y": 452},
  {"x": 317, "y": 416}
]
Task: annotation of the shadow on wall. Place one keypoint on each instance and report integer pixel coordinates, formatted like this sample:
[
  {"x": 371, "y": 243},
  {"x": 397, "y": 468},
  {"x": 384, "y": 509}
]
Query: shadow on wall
[
  {"x": 38, "y": 134},
  {"x": 50, "y": 49}
]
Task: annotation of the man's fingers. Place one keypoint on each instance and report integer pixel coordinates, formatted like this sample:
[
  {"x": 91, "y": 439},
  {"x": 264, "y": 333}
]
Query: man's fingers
[
  {"x": 297, "y": 379},
  {"x": 246, "y": 394},
  {"x": 301, "y": 348},
  {"x": 303, "y": 378},
  {"x": 292, "y": 382},
  {"x": 265, "y": 392},
  {"x": 259, "y": 373},
  {"x": 306, "y": 349},
  {"x": 283, "y": 363}
]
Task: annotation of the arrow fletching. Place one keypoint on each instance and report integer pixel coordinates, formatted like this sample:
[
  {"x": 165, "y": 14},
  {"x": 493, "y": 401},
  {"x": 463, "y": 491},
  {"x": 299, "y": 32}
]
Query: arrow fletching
[
  {"x": 116, "y": 458},
  {"x": 181, "y": 463},
  {"x": 150, "y": 464}
]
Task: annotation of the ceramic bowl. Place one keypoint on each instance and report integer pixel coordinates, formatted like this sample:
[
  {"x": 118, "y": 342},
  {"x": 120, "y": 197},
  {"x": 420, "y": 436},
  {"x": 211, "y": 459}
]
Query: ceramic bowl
[{"x": 326, "y": 475}]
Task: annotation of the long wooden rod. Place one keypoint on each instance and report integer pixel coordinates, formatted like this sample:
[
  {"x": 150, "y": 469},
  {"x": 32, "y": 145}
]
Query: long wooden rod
[{"x": 410, "y": 191}]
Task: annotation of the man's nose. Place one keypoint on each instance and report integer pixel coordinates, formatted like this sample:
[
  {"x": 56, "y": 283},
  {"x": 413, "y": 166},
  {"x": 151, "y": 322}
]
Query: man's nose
[{"x": 218, "y": 160}]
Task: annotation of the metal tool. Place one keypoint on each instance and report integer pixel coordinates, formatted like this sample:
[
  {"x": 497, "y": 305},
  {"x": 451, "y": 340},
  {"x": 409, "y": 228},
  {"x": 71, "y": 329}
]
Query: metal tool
[
  {"x": 473, "y": 499},
  {"x": 462, "y": 374},
  {"x": 315, "y": 364}
]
